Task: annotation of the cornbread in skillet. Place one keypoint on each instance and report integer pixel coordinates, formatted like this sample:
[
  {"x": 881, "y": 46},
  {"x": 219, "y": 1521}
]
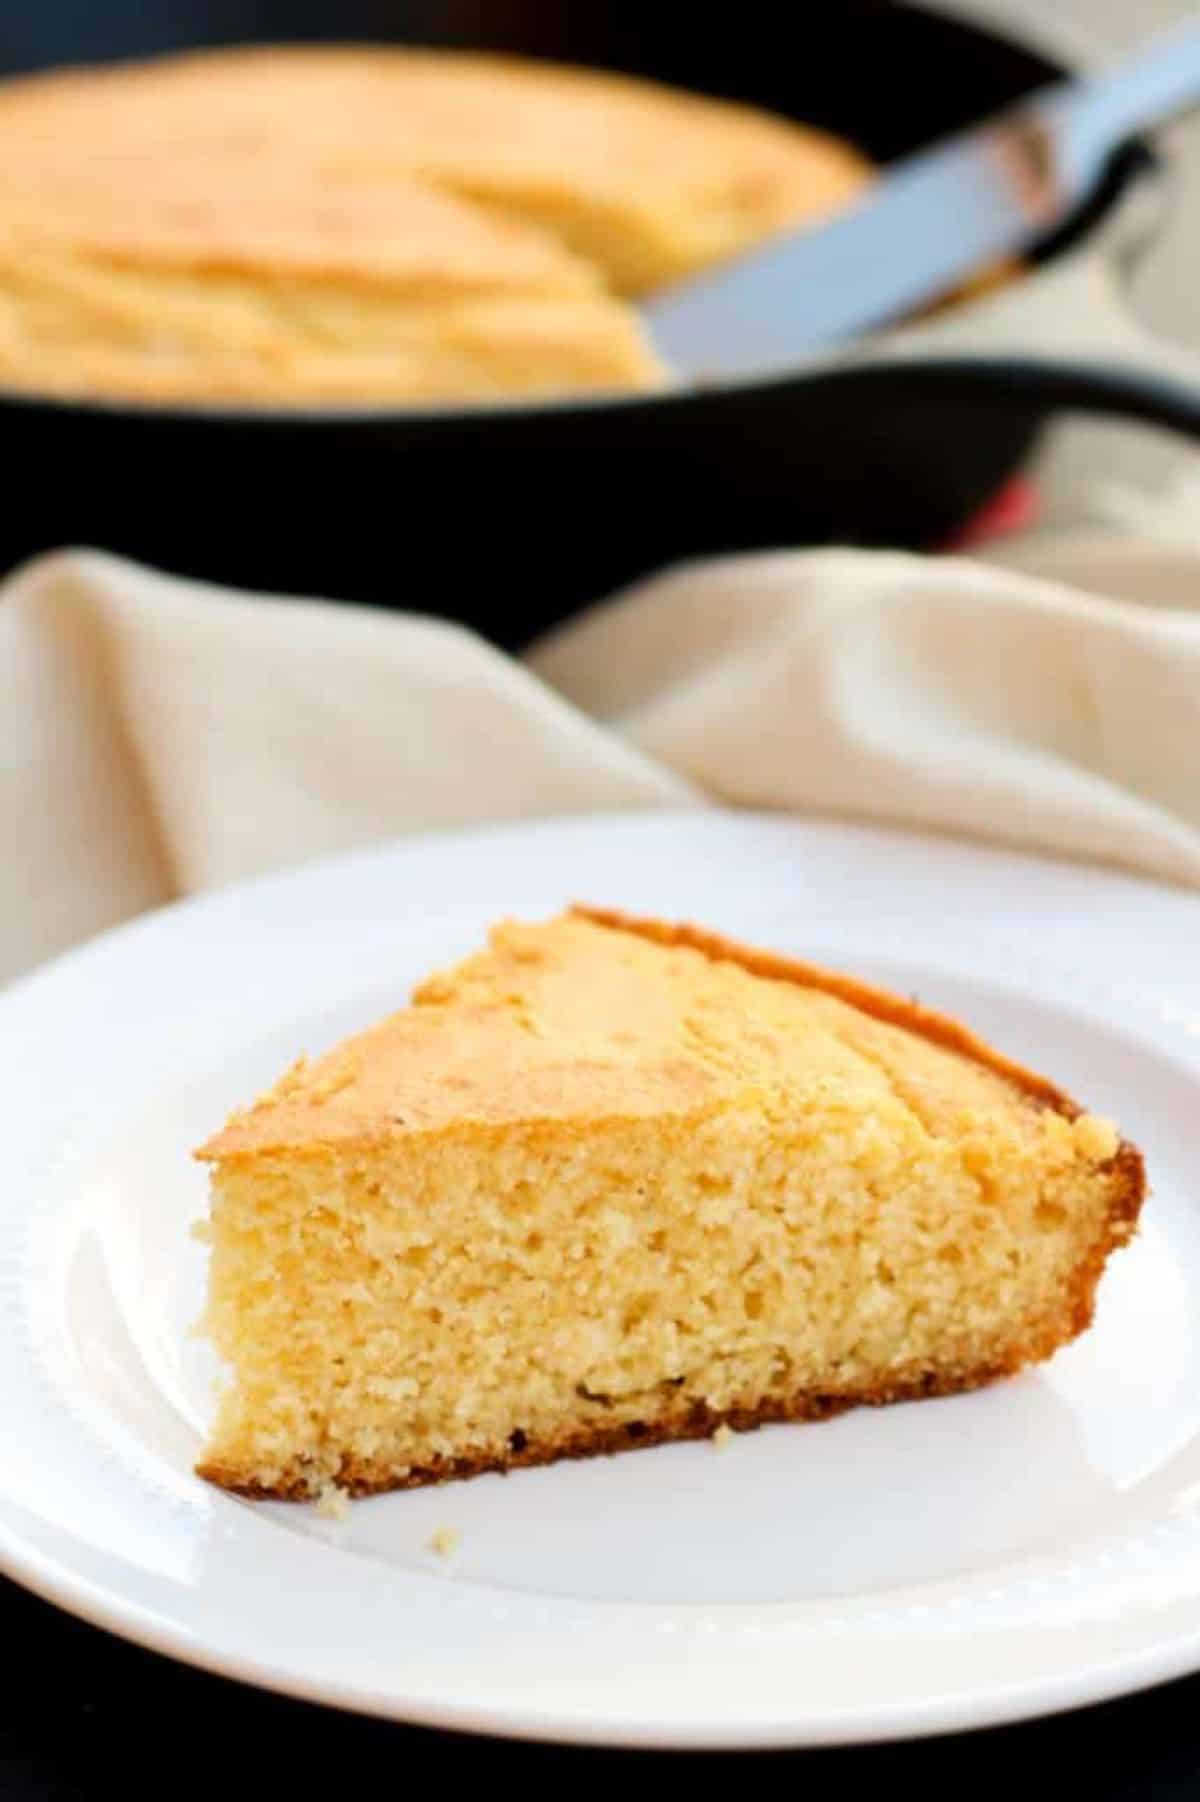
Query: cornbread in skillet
[
  {"x": 610, "y": 1182},
  {"x": 338, "y": 224}
]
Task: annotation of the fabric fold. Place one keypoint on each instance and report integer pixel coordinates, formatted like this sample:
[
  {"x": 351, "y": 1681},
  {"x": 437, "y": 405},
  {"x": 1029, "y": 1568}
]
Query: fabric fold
[{"x": 163, "y": 736}]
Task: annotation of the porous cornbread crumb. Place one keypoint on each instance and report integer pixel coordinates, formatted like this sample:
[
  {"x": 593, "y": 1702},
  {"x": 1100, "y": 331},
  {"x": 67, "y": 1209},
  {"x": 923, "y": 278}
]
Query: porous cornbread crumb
[{"x": 610, "y": 1182}]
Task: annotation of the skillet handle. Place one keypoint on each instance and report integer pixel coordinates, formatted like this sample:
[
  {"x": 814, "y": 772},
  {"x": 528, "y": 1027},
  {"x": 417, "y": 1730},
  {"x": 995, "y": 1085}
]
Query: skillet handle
[
  {"x": 1061, "y": 339},
  {"x": 1031, "y": 383}
]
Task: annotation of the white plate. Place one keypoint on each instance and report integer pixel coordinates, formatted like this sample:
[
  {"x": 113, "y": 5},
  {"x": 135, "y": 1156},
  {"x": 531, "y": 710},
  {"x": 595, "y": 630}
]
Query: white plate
[{"x": 927, "y": 1567}]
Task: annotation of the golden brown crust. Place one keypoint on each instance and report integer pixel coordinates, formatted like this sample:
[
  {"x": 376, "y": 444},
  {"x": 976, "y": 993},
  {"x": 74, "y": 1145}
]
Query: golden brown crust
[
  {"x": 1127, "y": 1193},
  {"x": 331, "y": 1099},
  {"x": 881, "y": 1004}
]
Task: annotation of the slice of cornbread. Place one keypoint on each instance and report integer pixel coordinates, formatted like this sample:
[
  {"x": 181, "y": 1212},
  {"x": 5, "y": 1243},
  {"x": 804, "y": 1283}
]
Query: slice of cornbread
[{"x": 610, "y": 1182}]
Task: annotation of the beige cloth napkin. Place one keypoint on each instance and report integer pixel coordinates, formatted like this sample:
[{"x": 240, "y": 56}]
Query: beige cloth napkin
[{"x": 160, "y": 737}]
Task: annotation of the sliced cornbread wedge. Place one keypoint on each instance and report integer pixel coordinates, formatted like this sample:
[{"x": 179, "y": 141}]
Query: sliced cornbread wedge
[{"x": 610, "y": 1182}]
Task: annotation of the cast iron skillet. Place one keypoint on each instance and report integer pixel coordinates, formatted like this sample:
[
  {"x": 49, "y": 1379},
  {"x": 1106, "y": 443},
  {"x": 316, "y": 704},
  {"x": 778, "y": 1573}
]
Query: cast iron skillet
[{"x": 509, "y": 519}]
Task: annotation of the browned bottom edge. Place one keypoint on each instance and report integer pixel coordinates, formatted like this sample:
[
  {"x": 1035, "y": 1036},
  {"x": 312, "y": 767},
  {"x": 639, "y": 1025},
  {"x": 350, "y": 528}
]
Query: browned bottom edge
[{"x": 700, "y": 1422}]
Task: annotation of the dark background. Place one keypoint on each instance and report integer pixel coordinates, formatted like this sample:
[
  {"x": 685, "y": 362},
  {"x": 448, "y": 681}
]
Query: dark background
[
  {"x": 87, "y": 1718},
  {"x": 757, "y": 56}
]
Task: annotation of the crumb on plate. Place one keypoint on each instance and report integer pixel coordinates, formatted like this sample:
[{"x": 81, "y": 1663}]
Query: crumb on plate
[{"x": 333, "y": 1503}]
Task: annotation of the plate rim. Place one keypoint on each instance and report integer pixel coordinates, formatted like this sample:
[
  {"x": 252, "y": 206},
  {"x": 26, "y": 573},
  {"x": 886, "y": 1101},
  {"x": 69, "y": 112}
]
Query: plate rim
[{"x": 99, "y": 1605}]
